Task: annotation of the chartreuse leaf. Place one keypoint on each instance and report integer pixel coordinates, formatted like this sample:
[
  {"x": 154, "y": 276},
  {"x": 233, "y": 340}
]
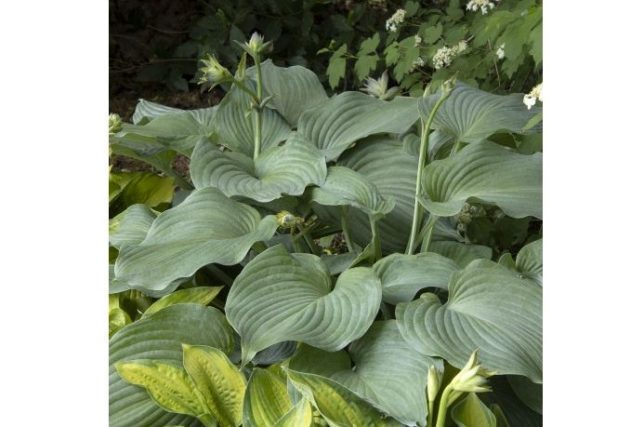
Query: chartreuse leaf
[
  {"x": 461, "y": 253},
  {"x": 470, "y": 114},
  {"x": 290, "y": 297},
  {"x": 471, "y": 412},
  {"x": 283, "y": 170},
  {"x": 344, "y": 186},
  {"x": 301, "y": 415},
  {"x": 235, "y": 124},
  {"x": 207, "y": 227},
  {"x": 484, "y": 172},
  {"x": 338, "y": 405},
  {"x": 218, "y": 381},
  {"x": 168, "y": 385},
  {"x": 402, "y": 276},
  {"x": 529, "y": 261},
  {"x": 344, "y": 119},
  {"x": 385, "y": 164},
  {"x": 266, "y": 399},
  {"x": 159, "y": 337},
  {"x": 386, "y": 371},
  {"x": 197, "y": 295},
  {"x": 131, "y": 226},
  {"x": 489, "y": 308},
  {"x": 292, "y": 89},
  {"x": 129, "y": 188}
]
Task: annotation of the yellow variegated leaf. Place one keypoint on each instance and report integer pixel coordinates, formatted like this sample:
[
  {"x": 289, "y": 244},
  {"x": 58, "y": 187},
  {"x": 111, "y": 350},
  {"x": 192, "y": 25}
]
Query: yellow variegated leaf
[
  {"x": 266, "y": 399},
  {"x": 198, "y": 295},
  {"x": 169, "y": 385},
  {"x": 337, "y": 404},
  {"x": 218, "y": 380},
  {"x": 301, "y": 415}
]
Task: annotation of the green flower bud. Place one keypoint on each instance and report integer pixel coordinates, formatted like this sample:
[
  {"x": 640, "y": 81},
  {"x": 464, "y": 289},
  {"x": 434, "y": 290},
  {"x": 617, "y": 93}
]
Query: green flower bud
[
  {"x": 434, "y": 380},
  {"x": 213, "y": 72},
  {"x": 287, "y": 220},
  {"x": 256, "y": 46},
  {"x": 448, "y": 86},
  {"x": 472, "y": 378},
  {"x": 115, "y": 124}
]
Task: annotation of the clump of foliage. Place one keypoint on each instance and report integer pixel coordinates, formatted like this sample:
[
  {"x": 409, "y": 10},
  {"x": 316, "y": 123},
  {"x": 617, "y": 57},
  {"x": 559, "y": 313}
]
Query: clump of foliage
[{"x": 355, "y": 260}]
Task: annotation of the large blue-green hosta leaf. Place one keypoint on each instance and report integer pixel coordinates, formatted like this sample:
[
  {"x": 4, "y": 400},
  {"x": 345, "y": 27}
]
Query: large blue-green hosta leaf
[
  {"x": 159, "y": 337},
  {"x": 290, "y": 297},
  {"x": 206, "y": 228},
  {"x": 292, "y": 89},
  {"x": 392, "y": 170},
  {"x": 402, "y": 276},
  {"x": 344, "y": 186},
  {"x": 470, "y": 114},
  {"x": 485, "y": 172},
  {"x": 461, "y": 253},
  {"x": 235, "y": 123},
  {"x": 490, "y": 308},
  {"x": 386, "y": 371},
  {"x": 530, "y": 262},
  {"x": 344, "y": 119},
  {"x": 131, "y": 226},
  {"x": 283, "y": 170}
]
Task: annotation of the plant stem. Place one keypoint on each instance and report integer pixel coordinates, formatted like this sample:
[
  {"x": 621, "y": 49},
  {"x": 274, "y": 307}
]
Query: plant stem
[
  {"x": 427, "y": 239},
  {"x": 345, "y": 229},
  {"x": 309, "y": 241},
  {"x": 422, "y": 156},
  {"x": 430, "y": 413},
  {"x": 258, "y": 108},
  {"x": 442, "y": 407},
  {"x": 245, "y": 88},
  {"x": 375, "y": 238}
]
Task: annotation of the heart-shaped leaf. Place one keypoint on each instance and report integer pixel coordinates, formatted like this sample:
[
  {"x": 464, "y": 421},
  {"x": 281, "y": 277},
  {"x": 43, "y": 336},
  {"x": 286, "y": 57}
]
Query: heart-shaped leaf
[
  {"x": 292, "y": 89},
  {"x": 207, "y": 227},
  {"x": 402, "y": 276},
  {"x": 283, "y": 170},
  {"x": 484, "y": 172},
  {"x": 338, "y": 405},
  {"x": 131, "y": 226},
  {"x": 347, "y": 187},
  {"x": 471, "y": 115},
  {"x": 344, "y": 119},
  {"x": 461, "y": 253},
  {"x": 266, "y": 399},
  {"x": 489, "y": 308},
  {"x": 471, "y": 412},
  {"x": 218, "y": 381},
  {"x": 198, "y": 295},
  {"x": 159, "y": 337},
  {"x": 386, "y": 371},
  {"x": 530, "y": 262},
  {"x": 290, "y": 297},
  {"x": 235, "y": 123}
]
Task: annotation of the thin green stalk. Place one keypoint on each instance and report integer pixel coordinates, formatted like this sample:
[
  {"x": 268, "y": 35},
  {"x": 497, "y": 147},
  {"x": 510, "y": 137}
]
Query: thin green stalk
[
  {"x": 427, "y": 239},
  {"x": 245, "y": 88},
  {"x": 375, "y": 239},
  {"x": 257, "y": 109},
  {"x": 345, "y": 229},
  {"x": 430, "y": 414},
  {"x": 442, "y": 407},
  {"x": 422, "y": 156},
  {"x": 309, "y": 241}
]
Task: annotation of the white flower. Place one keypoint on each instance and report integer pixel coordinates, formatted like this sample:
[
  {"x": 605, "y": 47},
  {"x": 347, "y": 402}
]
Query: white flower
[
  {"x": 500, "y": 52},
  {"x": 443, "y": 58},
  {"x": 417, "y": 40},
  {"x": 418, "y": 62},
  {"x": 462, "y": 45},
  {"x": 484, "y": 5},
  {"x": 396, "y": 19},
  {"x": 530, "y": 99},
  {"x": 378, "y": 88}
]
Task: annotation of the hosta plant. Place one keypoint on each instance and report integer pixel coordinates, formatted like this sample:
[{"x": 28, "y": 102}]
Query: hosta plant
[{"x": 332, "y": 261}]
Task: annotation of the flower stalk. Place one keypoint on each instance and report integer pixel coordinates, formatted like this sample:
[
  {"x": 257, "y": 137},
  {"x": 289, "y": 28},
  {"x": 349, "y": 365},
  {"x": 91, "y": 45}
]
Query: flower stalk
[{"x": 448, "y": 86}]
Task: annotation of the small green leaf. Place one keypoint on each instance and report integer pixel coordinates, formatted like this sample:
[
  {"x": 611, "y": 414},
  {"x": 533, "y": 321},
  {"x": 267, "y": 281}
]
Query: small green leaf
[
  {"x": 369, "y": 45},
  {"x": 197, "y": 295},
  {"x": 266, "y": 399},
  {"x": 337, "y": 66},
  {"x": 471, "y": 412},
  {"x": 169, "y": 385},
  {"x": 219, "y": 382},
  {"x": 365, "y": 65}
]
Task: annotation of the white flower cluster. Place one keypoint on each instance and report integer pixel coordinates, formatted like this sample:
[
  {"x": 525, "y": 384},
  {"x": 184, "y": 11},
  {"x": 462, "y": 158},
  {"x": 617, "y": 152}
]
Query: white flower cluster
[
  {"x": 484, "y": 5},
  {"x": 530, "y": 99},
  {"x": 396, "y": 19},
  {"x": 418, "y": 62},
  {"x": 417, "y": 40},
  {"x": 443, "y": 58},
  {"x": 500, "y": 52}
]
